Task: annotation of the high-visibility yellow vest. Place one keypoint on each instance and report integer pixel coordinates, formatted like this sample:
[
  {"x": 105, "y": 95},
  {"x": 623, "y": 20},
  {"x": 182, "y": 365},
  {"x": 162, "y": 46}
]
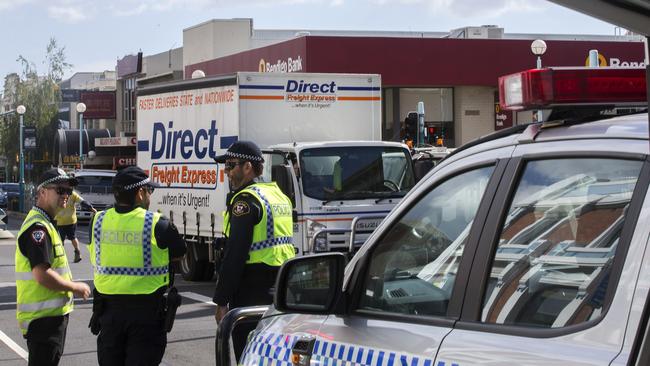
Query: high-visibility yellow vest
[
  {"x": 125, "y": 255},
  {"x": 273, "y": 235},
  {"x": 35, "y": 301},
  {"x": 68, "y": 215}
]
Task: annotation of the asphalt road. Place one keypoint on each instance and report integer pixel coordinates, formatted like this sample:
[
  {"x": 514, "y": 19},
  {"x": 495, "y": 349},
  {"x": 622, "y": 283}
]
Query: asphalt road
[{"x": 191, "y": 342}]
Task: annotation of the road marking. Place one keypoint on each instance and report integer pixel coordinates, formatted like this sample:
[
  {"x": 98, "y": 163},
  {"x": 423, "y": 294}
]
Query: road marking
[
  {"x": 13, "y": 345},
  {"x": 197, "y": 297}
]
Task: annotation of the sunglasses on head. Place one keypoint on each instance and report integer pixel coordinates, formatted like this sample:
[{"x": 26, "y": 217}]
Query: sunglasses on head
[
  {"x": 62, "y": 190},
  {"x": 230, "y": 165}
]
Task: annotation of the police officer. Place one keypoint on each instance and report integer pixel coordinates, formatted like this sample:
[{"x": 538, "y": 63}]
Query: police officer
[
  {"x": 44, "y": 283},
  {"x": 130, "y": 251},
  {"x": 258, "y": 228}
]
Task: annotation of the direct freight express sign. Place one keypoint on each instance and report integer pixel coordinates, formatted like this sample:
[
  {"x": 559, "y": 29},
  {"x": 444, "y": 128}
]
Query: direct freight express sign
[{"x": 180, "y": 133}]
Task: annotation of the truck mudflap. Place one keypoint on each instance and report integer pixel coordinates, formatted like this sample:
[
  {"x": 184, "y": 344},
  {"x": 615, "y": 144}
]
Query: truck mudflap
[{"x": 224, "y": 352}]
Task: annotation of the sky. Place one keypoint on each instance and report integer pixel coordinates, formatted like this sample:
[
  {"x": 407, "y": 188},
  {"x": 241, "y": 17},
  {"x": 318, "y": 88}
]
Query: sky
[{"x": 95, "y": 33}]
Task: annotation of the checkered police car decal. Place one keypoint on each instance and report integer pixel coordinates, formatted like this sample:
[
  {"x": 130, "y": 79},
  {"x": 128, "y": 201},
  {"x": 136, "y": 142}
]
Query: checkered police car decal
[{"x": 271, "y": 349}]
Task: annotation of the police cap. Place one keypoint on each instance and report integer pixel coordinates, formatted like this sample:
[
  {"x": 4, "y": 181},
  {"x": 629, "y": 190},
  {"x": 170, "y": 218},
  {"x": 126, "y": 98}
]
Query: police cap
[
  {"x": 131, "y": 178},
  {"x": 242, "y": 150},
  {"x": 54, "y": 176}
]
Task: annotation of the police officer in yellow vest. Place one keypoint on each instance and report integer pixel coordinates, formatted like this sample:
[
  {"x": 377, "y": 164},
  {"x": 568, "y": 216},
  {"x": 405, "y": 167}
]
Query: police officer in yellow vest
[
  {"x": 130, "y": 250},
  {"x": 259, "y": 230},
  {"x": 44, "y": 283}
]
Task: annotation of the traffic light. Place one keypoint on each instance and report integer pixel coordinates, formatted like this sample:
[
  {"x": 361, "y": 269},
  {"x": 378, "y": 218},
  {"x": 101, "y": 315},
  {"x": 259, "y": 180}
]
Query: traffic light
[{"x": 411, "y": 126}]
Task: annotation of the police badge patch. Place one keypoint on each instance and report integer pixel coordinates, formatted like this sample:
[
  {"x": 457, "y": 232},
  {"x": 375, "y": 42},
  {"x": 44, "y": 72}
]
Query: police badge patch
[
  {"x": 38, "y": 236},
  {"x": 240, "y": 208}
]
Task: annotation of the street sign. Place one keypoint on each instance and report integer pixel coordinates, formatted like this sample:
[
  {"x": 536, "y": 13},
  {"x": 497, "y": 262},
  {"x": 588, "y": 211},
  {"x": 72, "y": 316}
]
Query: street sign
[{"x": 29, "y": 138}]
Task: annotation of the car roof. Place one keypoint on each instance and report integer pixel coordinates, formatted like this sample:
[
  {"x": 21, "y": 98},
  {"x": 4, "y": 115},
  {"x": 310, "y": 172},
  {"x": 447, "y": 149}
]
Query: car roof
[
  {"x": 625, "y": 127},
  {"x": 632, "y": 126}
]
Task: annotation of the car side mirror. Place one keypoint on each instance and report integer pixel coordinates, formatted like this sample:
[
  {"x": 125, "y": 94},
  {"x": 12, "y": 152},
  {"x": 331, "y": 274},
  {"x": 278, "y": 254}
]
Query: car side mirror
[{"x": 312, "y": 284}]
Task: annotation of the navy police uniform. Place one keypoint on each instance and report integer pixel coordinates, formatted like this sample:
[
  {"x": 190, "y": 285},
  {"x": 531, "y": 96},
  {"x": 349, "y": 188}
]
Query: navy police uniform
[{"x": 132, "y": 277}]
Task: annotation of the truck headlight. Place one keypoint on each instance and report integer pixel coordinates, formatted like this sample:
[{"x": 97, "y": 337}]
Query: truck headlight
[
  {"x": 320, "y": 245},
  {"x": 313, "y": 227}
]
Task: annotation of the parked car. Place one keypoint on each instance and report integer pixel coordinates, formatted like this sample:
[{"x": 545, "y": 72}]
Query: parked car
[
  {"x": 12, "y": 189},
  {"x": 4, "y": 200},
  {"x": 13, "y": 194},
  {"x": 4, "y": 219},
  {"x": 526, "y": 247}
]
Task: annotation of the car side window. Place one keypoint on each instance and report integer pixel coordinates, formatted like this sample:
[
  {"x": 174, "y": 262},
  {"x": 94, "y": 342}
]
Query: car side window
[
  {"x": 556, "y": 248},
  {"x": 413, "y": 267}
]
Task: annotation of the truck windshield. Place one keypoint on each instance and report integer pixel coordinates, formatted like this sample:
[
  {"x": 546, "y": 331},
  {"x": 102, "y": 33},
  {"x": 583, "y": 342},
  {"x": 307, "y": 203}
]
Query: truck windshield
[
  {"x": 95, "y": 184},
  {"x": 341, "y": 173}
]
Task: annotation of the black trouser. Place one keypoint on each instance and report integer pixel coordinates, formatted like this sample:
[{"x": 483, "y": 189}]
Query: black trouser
[
  {"x": 254, "y": 289},
  {"x": 46, "y": 339},
  {"x": 131, "y": 335}
]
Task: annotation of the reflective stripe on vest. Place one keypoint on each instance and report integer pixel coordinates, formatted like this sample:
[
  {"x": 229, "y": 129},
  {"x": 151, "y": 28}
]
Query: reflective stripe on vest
[
  {"x": 43, "y": 305},
  {"x": 270, "y": 227},
  {"x": 146, "y": 270},
  {"x": 26, "y": 276}
]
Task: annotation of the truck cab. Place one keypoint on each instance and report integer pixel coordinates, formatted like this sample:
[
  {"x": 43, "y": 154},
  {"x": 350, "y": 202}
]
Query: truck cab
[
  {"x": 332, "y": 183},
  {"x": 95, "y": 186}
]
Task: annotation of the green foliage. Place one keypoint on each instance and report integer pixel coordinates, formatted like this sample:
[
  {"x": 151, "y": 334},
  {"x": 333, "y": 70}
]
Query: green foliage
[{"x": 41, "y": 96}]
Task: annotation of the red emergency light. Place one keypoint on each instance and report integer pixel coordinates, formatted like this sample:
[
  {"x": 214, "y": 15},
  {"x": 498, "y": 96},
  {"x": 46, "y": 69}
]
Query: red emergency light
[{"x": 563, "y": 86}]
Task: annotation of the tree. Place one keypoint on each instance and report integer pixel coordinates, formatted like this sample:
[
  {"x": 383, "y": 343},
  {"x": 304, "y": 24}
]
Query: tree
[{"x": 41, "y": 96}]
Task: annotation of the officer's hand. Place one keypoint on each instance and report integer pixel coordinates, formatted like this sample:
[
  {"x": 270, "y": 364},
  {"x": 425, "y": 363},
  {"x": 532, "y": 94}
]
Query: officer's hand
[
  {"x": 81, "y": 289},
  {"x": 220, "y": 313}
]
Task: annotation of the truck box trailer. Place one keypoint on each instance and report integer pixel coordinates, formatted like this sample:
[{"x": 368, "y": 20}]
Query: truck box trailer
[{"x": 322, "y": 137}]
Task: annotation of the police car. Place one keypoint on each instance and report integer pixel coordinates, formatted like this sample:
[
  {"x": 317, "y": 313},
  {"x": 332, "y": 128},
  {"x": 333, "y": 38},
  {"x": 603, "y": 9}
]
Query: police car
[{"x": 526, "y": 247}]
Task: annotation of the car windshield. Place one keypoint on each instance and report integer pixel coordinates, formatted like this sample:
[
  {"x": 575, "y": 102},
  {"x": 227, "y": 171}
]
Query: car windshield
[{"x": 356, "y": 172}]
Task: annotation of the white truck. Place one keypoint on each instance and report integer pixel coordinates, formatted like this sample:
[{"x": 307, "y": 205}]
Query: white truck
[{"x": 322, "y": 137}]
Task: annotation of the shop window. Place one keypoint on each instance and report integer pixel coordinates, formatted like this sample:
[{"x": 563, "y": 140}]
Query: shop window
[{"x": 439, "y": 112}]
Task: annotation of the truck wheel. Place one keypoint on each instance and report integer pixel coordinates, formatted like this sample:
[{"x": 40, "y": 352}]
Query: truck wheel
[
  {"x": 209, "y": 272},
  {"x": 192, "y": 269}
]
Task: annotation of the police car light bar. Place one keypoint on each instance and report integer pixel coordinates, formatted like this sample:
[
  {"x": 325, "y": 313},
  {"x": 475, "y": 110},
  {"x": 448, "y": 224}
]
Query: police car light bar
[{"x": 564, "y": 86}]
